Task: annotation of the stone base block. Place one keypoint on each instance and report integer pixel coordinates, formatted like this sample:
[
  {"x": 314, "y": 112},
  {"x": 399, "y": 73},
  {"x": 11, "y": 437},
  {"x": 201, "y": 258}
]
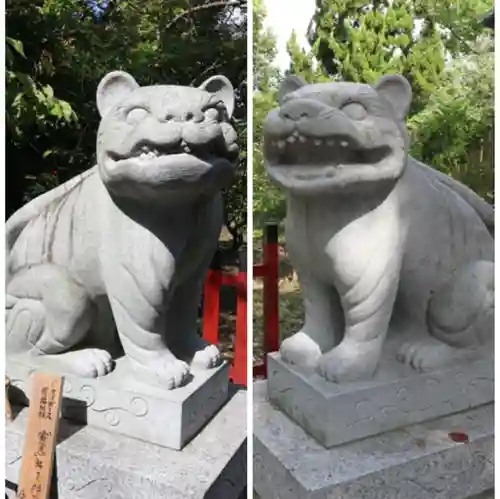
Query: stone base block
[
  {"x": 398, "y": 396},
  {"x": 415, "y": 462},
  {"x": 97, "y": 464},
  {"x": 120, "y": 404}
]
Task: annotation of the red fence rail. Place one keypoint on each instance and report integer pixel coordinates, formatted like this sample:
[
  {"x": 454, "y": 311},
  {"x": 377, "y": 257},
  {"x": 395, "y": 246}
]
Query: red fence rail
[
  {"x": 268, "y": 271},
  {"x": 211, "y": 313}
]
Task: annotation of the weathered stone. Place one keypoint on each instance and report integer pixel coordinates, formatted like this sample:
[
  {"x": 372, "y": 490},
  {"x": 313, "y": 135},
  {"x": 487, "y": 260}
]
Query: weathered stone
[
  {"x": 376, "y": 237},
  {"x": 395, "y": 263},
  {"x": 96, "y": 464},
  {"x": 120, "y": 404},
  {"x": 397, "y": 396},
  {"x": 125, "y": 245},
  {"x": 415, "y": 462}
]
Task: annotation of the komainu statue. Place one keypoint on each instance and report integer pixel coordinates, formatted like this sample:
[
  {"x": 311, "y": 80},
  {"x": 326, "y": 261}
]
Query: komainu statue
[
  {"x": 380, "y": 241},
  {"x": 124, "y": 247}
]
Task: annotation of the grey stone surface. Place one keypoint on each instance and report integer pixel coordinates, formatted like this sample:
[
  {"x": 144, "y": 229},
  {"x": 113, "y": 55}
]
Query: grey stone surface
[
  {"x": 416, "y": 462},
  {"x": 120, "y": 404},
  {"x": 124, "y": 247},
  {"x": 376, "y": 237},
  {"x": 96, "y": 464},
  {"x": 397, "y": 396}
]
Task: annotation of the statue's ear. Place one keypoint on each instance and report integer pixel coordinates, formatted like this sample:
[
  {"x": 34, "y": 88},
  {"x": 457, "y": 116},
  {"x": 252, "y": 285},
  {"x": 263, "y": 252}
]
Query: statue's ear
[
  {"x": 112, "y": 89},
  {"x": 290, "y": 84},
  {"x": 221, "y": 87},
  {"x": 396, "y": 90}
]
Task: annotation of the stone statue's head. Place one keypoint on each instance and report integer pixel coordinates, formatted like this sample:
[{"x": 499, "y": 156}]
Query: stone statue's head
[
  {"x": 337, "y": 136},
  {"x": 166, "y": 142}
]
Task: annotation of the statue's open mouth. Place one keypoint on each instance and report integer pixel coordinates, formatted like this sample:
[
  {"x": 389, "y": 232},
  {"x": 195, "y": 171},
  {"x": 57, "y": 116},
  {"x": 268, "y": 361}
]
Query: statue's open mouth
[
  {"x": 170, "y": 165},
  {"x": 146, "y": 151},
  {"x": 332, "y": 150}
]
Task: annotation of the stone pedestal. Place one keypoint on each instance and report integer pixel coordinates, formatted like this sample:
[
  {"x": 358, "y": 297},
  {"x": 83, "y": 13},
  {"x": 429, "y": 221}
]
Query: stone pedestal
[
  {"x": 418, "y": 461},
  {"x": 387, "y": 438},
  {"x": 120, "y": 404},
  {"x": 92, "y": 463},
  {"x": 397, "y": 396}
]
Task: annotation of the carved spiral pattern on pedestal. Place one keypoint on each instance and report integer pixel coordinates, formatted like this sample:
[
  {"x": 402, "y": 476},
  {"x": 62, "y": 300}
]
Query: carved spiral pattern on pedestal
[
  {"x": 138, "y": 407},
  {"x": 88, "y": 394},
  {"x": 67, "y": 387}
]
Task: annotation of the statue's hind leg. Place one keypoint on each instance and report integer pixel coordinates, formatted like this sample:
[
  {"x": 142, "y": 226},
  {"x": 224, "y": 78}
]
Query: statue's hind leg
[
  {"x": 459, "y": 318},
  {"x": 47, "y": 314}
]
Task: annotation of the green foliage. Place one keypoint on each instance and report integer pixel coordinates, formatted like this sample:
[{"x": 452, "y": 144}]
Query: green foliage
[
  {"x": 58, "y": 51},
  {"x": 264, "y": 50},
  {"x": 357, "y": 40},
  {"x": 454, "y": 133},
  {"x": 303, "y": 63},
  {"x": 29, "y": 102},
  {"x": 268, "y": 200}
]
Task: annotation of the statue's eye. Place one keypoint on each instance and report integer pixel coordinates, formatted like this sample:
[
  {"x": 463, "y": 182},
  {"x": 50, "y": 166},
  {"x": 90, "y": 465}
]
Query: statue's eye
[
  {"x": 212, "y": 114},
  {"x": 355, "y": 111},
  {"x": 215, "y": 111},
  {"x": 136, "y": 115}
]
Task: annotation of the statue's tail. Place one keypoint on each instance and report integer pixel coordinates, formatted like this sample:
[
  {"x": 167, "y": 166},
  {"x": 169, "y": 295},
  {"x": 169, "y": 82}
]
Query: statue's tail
[{"x": 480, "y": 206}]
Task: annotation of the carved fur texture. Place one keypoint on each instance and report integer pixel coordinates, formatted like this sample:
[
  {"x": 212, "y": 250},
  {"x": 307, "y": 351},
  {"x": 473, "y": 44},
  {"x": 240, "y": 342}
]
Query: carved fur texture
[
  {"x": 378, "y": 239},
  {"x": 126, "y": 244}
]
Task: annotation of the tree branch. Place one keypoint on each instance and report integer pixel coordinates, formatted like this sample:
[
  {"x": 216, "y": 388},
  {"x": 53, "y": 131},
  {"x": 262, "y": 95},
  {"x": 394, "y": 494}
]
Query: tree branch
[
  {"x": 220, "y": 3},
  {"x": 205, "y": 72}
]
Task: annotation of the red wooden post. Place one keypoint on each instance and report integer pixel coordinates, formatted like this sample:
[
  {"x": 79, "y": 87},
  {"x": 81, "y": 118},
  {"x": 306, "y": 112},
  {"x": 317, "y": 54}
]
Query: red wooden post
[
  {"x": 271, "y": 316},
  {"x": 239, "y": 369},
  {"x": 211, "y": 306}
]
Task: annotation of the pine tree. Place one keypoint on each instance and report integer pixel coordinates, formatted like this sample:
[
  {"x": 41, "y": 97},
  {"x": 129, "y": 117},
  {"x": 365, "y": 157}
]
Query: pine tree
[
  {"x": 268, "y": 200},
  {"x": 264, "y": 50},
  {"x": 358, "y": 40},
  {"x": 303, "y": 62}
]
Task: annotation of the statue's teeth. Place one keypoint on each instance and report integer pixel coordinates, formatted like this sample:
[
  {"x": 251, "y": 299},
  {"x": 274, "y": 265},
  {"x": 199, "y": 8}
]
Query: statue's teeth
[
  {"x": 318, "y": 142},
  {"x": 144, "y": 155},
  {"x": 330, "y": 142},
  {"x": 344, "y": 143},
  {"x": 291, "y": 139},
  {"x": 281, "y": 144},
  {"x": 302, "y": 138},
  {"x": 296, "y": 133}
]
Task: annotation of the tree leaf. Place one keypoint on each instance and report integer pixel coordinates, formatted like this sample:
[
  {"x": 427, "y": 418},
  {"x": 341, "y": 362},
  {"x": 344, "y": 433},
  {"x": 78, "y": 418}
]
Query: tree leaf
[{"x": 17, "y": 45}]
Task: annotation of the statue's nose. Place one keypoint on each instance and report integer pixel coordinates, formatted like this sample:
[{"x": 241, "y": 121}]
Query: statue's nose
[{"x": 300, "y": 110}]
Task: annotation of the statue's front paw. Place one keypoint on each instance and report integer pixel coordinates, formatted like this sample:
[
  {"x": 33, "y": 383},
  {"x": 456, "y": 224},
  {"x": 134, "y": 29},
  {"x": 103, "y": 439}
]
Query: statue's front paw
[
  {"x": 166, "y": 372},
  {"x": 207, "y": 358},
  {"x": 92, "y": 362},
  {"x": 300, "y": 350},
  {"x": 348, "y": 362},
  {"x": 87, "y": 363}
]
